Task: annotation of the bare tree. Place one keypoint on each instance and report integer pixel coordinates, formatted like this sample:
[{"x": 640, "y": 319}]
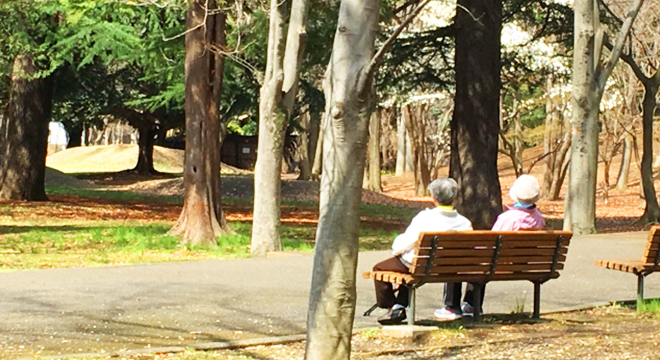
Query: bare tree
[
  {"x": 589, "y": 77},
  {"x": 277, "y": 98},
  {"x": 642, "y": 58}
]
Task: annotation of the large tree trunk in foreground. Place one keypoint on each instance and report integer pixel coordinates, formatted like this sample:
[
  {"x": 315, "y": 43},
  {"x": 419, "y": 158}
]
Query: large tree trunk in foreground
[
  {"x": 202, "y": 218},
  {"x": 475, "y": 124},
  {"x": 24, "y": 140},
  {"x": 333, "y": 294},
  {"x": 277, "y": 98},
  {"x": 145, "y": 164}
]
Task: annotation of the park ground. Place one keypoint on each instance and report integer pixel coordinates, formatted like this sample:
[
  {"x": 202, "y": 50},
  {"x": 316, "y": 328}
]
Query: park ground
[
  {"x": 604, "y": 333},
  {"x": 99, "y": 216}
]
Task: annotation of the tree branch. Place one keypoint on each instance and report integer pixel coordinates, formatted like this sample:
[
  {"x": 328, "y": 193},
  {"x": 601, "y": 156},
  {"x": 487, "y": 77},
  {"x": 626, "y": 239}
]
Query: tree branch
[
  {"x": 618, "y": 44},
  {"x": 368, "y": 74},
  {"x": 628, "y": 59}
]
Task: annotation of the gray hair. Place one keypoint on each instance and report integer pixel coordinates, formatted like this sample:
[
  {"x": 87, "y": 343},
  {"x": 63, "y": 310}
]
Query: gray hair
[{"x": 443, "y": 190}]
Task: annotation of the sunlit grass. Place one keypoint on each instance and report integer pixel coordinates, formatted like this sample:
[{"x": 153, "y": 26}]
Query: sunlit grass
[{"x": 83, "y": 244}]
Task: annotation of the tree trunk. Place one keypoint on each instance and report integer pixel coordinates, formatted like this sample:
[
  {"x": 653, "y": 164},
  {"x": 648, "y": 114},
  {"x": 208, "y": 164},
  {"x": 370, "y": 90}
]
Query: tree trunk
[
  {"x": 202, "y": 218},
  {"x": 582, "y": 180},
  {"x": 562, "y": 162},
  {"x": 374, "y": 153},
  {"x": 475, "y": 124},
  {"x": 303, "y": 149},
  {"x": 401, "y": 145},
  {"x": 145, "y": 164},
  {"x": 652, "y": 210},
  {"x": 75, "y": 133},
  {"x": 519, "y": 145},
  {"x": 25, "y": 133},
  {"x": 318, "y": 153},
  {"x": 549, "y": 139},
  {"x": 624, "y": 170},
  {"x": 276, "y": 103},
  {"x": 415, "y": 130},
  {"x": 348, "y": 110}
]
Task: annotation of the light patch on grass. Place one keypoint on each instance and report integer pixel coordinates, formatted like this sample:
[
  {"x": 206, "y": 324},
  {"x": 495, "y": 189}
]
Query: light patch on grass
[{"x": 650, "y": 307}]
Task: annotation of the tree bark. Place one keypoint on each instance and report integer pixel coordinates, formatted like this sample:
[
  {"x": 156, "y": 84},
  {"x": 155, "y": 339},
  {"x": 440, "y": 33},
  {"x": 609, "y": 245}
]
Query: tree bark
[
  {"x": 475, "y": 124},
  {"x": 318, "y": 153},
  {"x": 374, "y": 153},
  {"x": 278, "y": 95},
  {"x": 201, "y": 218},
  {"x": 626, "y": 160},
  {"x": 415, "y": 130},
  {"x": 145, "y": 164},
  {"x": 348, "y": 110},
  {"x": 303, "y": 149},
  {"x": 25, "y": 133}
]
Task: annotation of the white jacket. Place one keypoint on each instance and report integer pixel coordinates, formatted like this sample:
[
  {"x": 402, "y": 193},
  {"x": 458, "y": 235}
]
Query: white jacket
[{"x": 429, "y": 220}]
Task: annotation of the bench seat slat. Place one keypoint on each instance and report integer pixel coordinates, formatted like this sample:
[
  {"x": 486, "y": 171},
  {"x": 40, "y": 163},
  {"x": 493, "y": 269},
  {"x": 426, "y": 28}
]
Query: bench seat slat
[
  {"x": 453, "y": 269},
  {"x": 629, "y": 266},
  {"x": 398, "y": 278}
]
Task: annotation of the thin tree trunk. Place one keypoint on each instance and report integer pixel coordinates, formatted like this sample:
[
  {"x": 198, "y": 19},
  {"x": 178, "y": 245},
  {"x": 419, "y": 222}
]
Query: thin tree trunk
[
  {"x": 401, "y": 144},
  {"x": 652, "y": 210},
  {"x": 475, "y": 124},
  {"x": 519, "y": 145},
  {"x": 318, "y": 154},
  {"x": 562, "y": 160},
  {"x": 374, "y": 153},
  {"x": 278, "y": 96},
  {"x": 348, "y": 110},
  {"x": 626, "y": 160},
  {"x": 303, "y": 149},
  {"x": 200, "y": 221},
  {"x": 24, "y": 142},
  {"x": 549, "y": 139}
]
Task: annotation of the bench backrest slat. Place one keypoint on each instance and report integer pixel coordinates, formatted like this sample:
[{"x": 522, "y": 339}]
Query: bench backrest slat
[
  {"x": 470, "y": 253},
  {"x": 652, "y": 246}
]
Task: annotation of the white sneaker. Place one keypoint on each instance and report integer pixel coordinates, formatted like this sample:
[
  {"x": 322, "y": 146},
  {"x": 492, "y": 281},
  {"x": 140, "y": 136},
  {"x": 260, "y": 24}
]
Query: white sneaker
[{"x": 447, "y": 314}]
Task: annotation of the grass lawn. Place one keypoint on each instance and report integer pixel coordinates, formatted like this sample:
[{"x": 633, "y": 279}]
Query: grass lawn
[{"x": 59, "y": 235}]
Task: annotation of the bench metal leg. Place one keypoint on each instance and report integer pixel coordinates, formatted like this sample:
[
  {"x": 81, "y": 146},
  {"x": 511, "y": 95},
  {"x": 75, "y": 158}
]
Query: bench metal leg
[
  {"x": 640, "y": 291},
  {"x": 537, "y": 300},
  {"x": 476, "y": 293},
  {"x": 411, "y": 305}
]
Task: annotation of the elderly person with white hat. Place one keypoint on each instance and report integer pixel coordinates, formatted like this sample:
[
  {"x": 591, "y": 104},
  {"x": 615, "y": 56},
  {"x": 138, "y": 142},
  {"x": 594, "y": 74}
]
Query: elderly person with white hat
[{"x": 523, "y": 215}]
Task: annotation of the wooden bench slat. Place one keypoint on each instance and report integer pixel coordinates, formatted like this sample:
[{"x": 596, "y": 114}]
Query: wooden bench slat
[
  {"x": 487, "y": 259},
  {"x": 409, "y": 279},
  {"x": 489, "y": 252}
]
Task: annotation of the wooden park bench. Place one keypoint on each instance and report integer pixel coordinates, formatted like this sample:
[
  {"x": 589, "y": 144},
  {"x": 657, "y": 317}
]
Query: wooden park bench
[
  {"x": 642, "y": 268},
  {"x": 481, "y": 257}
]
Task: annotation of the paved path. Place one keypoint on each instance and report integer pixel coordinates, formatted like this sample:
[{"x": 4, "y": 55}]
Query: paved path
[{"x": 112, "y": 308}]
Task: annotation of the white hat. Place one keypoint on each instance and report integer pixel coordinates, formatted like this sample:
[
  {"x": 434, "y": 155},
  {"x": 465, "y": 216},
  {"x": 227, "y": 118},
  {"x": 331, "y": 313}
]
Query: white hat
[{"x": 525, "y": 189}]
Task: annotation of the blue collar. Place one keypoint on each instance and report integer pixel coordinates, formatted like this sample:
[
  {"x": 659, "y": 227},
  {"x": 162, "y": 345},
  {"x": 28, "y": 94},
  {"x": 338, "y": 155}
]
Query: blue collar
[{"x": 520, "y": 205}]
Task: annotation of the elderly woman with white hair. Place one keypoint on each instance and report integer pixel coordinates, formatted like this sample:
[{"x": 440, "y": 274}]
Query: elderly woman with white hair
[
  {"x": 523, "y": 215},
  {"x": 442, "y": 217}
]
